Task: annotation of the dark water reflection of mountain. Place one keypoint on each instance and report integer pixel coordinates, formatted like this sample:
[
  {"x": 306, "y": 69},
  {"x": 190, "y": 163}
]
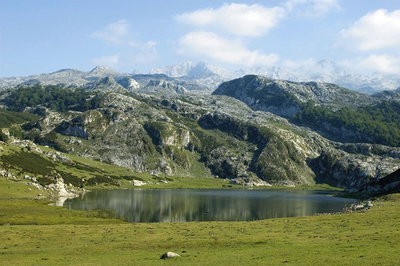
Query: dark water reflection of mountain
[{"x": 184, "y": 205}]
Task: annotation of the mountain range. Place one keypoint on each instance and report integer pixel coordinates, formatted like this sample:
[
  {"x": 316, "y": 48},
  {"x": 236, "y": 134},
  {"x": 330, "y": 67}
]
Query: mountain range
[
  {"x": 321, "y": 71},
  {"x": 251, "y": 130},
  {"x": 205, "y": 78}
]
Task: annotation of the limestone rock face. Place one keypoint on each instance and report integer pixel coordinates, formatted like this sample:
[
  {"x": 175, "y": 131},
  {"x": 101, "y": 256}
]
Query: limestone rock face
[
  {"x": 128, "y": 83},
  {"x": 217, "y": 134},
  {"x": 245, "y": 135},
  {"x": 380, "y": 186},
  {"x": 163, "y": 87},
  {"x": 285, "y": 98},
  {"x": 348, "y": 170}
]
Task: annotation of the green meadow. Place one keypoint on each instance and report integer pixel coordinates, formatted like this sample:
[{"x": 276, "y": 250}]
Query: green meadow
[{"x": 34, "y": 233}]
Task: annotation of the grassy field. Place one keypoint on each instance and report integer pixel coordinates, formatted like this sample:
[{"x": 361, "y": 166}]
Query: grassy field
[{"x": 34, "y": 233}]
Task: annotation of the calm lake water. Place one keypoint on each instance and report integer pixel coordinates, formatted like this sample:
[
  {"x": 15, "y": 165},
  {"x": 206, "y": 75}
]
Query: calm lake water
[{"x": 184, "y": 205}]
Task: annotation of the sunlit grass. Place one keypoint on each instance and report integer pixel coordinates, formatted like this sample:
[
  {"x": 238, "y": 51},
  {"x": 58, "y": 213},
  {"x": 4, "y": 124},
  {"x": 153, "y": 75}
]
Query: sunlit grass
[{"x": 35, "y": 233}]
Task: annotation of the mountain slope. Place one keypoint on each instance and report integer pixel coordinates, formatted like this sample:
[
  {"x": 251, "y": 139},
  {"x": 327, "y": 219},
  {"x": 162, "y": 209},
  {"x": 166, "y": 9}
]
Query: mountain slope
[
  {"x": 195, "y": 136},
  {"x": 337, "y": 113},
  {"x": 286, "y": 98}
]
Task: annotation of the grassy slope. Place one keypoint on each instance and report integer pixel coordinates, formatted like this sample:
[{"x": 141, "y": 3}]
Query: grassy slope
[{"x": 20, "y": 162}]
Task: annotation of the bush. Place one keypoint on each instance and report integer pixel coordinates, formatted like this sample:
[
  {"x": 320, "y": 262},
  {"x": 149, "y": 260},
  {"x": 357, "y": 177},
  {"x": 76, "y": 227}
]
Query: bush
[
  {"x": 3, "y": 137},
  {"x": 8, "y": 118}
]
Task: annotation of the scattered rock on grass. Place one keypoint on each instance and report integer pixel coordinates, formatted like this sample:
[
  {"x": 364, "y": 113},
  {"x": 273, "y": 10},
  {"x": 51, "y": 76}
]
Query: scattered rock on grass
[
  {"x": 169, "y": 255},
  {"x": 138, "y": 183}
]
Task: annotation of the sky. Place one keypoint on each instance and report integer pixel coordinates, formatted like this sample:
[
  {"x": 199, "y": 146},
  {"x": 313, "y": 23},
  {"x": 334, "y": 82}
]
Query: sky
[{"x": 43, "y": 36}]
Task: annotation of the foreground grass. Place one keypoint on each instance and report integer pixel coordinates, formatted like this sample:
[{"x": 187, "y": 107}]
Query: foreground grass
[{"x": 32, "y": 233}]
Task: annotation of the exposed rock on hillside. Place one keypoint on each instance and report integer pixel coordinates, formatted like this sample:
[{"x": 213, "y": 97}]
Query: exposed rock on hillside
[
  {"x": 106, "y": 83},
  {"x": 163, "y": 86},
  {"x": 286, "y": 98},
  {"x": 343, "y": 169},
  {"x": 105, "y": 79},
  {"x": 385, "y": 185},
  {"x": 189, "y": 135}
]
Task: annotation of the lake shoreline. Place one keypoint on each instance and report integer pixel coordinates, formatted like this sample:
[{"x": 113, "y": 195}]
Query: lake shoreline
[{"x": 185, "y": 205}]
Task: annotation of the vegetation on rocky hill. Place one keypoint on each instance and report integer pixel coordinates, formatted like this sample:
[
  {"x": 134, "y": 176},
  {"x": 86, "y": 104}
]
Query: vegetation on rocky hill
[
  {"x": 337, "y": 113},
  {"x": 378, "y": 123},
  {"x": 9, "y": 118},
  {"x": 55, "y": 97},
  {"x": 196, "y": 136}
]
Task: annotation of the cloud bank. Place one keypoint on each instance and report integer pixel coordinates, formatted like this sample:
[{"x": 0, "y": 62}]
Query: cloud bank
[
  {"x": 223, "y": 34},
  {"x": 374, "y": 31},
  {"x": 211, "y": 46},
  {"x": 237, "y": 19}
]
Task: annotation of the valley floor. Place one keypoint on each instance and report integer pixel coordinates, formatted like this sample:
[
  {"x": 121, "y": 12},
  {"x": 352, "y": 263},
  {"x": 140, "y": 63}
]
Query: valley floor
[{"x": 34, "y": 233}]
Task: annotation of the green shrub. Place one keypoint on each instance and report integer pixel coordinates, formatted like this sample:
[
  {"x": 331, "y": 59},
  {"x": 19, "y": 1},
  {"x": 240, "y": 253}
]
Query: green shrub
[
  {"x": 8, "y": 118},
  {"x": 3, "y": 137}
]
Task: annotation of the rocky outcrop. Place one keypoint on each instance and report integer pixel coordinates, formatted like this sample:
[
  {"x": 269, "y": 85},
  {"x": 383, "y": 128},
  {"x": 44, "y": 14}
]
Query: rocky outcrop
[
  {"x": 381, "y": 186},
  {"x": 189, "y": 135},
  {"x": 347, "y": 170},
  {"x": 129, "y": 84},
  {"x": 106, "y": 83},
  {"x": 225, "y": 163},
  {"x": 163, "y": 87},
  {"x": 286, "y": 98},
  {"x": 74, "y": 127}
]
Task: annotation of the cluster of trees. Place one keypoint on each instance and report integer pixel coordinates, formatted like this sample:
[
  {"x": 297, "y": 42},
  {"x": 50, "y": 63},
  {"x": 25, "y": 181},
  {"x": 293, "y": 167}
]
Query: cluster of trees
[
  {"x": 8, "y": 118},
  {"x": 379, "y": 123},
  {"x": 53, "y": 97}
]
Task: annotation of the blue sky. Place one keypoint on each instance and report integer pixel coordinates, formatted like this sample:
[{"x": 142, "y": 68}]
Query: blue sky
[{"x": 46, "y": 35}]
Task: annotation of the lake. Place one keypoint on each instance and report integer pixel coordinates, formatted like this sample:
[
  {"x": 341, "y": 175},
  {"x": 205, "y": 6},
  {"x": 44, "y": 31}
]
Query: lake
[{"x": 185, "y": 205}]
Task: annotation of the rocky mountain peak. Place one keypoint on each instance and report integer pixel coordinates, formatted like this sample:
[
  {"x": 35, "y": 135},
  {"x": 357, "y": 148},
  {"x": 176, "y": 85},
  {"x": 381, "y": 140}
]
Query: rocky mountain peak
[
  {"x": 200, "y": 70},
  {"x": 102, "y": 71}
]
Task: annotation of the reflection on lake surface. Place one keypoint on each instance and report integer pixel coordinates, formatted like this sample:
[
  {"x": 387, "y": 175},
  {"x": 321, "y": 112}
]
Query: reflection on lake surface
[{"x": 183, "y": 205}]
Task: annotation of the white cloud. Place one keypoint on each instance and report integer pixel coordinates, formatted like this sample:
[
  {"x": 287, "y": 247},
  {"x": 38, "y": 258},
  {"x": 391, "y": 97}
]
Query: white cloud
[
  {"x": 312, "y": 7},
  {"x": 237, "y": 19},
  {"x": 115, "y": 32},
  {"x": 129, "y": 51},
  {"x": 146, "y": 52},
  {"x": 110, "y": 61},
  {"x": 211, "y": 37},
  {"x": 374, "y": 31},
  {"x": 324, "y": 6},
  {"x": 211, "y": 46},
  {"x": 213, "y": 28},
  {"x": 381, "y": 63}
]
